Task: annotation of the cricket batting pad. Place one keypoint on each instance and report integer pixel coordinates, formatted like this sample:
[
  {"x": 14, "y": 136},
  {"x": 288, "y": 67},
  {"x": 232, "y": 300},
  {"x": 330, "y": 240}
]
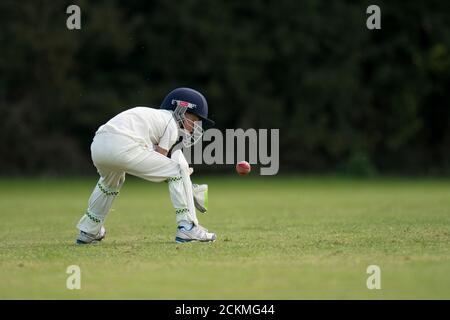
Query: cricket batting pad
[{"x": 178, "y": 156}]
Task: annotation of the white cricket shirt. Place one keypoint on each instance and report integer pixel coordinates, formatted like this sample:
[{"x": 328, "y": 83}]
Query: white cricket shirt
[{"x": 145, "y": 125}]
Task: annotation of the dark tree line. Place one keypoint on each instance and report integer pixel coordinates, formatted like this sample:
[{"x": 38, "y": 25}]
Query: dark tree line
[{"x": 344, "y": 97}]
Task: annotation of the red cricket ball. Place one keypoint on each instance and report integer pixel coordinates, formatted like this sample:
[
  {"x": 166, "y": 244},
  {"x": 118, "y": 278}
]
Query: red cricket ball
[{"x": 243, "y": 168}]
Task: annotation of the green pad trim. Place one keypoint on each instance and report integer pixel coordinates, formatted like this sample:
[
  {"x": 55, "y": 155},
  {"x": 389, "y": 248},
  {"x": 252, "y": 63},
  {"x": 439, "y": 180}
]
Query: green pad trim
[
  {"x": 92, "y": 217},
  {"x": 106, "y": 190},
  {"x": 182, "y": 210}
]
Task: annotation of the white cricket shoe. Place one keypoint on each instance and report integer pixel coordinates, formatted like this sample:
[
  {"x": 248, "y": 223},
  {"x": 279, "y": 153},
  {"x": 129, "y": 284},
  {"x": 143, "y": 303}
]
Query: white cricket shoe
[
  {"x": 86, "y": 238},
  {"x": 196, "y": 233},
  {"x": 200, "y": 192}
]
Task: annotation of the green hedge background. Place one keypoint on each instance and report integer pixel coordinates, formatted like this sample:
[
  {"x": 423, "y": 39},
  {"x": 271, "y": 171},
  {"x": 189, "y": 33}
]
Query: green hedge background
[{"x": 345, "y": 98}]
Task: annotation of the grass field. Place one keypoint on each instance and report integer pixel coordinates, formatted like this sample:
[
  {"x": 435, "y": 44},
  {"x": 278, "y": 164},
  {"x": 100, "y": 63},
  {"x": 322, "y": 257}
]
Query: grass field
[{"x": 278, "y": 238}]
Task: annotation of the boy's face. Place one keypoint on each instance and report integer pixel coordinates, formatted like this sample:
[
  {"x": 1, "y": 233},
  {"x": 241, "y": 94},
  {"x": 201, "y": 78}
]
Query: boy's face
[{"x": 189, "y": 125}]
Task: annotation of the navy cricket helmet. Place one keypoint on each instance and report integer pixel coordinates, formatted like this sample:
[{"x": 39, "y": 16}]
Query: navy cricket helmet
[
  {"x": 182, "y": 100},
  {"x": 191, "y": 101}
]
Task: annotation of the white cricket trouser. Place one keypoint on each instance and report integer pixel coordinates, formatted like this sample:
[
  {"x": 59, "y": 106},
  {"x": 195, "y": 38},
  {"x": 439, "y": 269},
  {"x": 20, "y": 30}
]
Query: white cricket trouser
[{"x": 114, "y": 155}]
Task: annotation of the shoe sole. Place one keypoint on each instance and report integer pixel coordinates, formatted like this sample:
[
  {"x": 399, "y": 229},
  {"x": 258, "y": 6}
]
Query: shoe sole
[
  {"x": 181, "y": 240},
  {"x": 78, "y": 241}
]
